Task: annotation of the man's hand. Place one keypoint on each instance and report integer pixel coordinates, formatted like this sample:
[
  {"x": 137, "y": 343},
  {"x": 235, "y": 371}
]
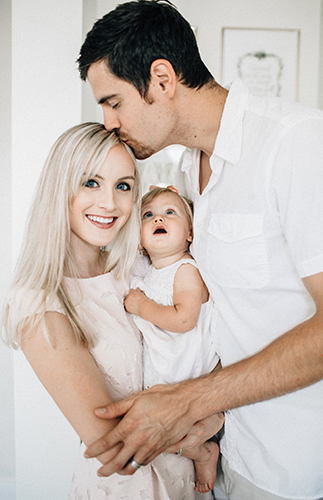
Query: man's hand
[
  {"x": 153, "y": 421},
  {"x": 133, "y": 301}
]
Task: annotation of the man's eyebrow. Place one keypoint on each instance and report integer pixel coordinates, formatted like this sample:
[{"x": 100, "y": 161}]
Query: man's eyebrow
[{"x": 106, "y": 98}]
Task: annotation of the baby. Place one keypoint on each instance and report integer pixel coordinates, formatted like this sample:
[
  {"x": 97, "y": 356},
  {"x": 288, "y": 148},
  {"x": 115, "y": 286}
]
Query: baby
[{"x": 174, "y": 311}]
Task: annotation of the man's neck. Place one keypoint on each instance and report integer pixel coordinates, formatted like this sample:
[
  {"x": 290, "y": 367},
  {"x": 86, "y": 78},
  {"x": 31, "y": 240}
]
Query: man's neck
[
  {"x": 200, "y": 113},
  {"x": 200, "y": 116}
]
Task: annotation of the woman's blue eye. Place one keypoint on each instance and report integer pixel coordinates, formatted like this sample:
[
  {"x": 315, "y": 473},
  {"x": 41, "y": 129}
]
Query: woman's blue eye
[
  {"x": 91, "y": 183},
  {"x": 147, "y": 215},
  {"x": 123, "y": 186}
]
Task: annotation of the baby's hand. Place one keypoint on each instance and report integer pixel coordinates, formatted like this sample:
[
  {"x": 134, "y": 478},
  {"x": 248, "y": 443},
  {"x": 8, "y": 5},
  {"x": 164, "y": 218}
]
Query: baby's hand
[{"x": 133, "y": 300}]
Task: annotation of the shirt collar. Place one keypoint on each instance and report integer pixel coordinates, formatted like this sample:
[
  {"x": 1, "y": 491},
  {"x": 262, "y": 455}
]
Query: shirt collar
[{"x": 228, "y": 143}]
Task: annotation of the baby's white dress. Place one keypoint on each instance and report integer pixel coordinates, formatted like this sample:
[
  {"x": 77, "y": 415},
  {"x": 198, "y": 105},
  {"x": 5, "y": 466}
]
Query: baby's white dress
[
  {"x": 118, "y": 354},
  {"x": 173, "y": 357}
]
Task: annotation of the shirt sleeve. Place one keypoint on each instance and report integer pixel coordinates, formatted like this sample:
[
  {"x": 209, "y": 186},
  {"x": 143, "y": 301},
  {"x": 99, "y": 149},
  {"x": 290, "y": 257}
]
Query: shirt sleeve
[
  {"x": 26, "y": 302},
  {"x": 297, "y": 183}
]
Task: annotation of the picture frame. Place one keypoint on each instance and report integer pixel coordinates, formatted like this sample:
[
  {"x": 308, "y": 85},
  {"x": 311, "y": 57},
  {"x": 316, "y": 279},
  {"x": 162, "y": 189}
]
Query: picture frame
[{"x": 265, "y": 59}]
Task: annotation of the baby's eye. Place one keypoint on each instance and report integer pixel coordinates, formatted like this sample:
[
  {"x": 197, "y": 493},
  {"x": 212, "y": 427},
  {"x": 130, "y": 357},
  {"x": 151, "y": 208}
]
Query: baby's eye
[
  {"x": 114, "y": 106},
  {"x": 123, "y": 186},
  {"x": 91, "y": 183},
  {"x": 146, "y": 215},
  {"x": 170, "y": 211}
]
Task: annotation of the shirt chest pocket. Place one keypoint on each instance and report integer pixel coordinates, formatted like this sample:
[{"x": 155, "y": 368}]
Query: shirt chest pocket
[{"x": 236, "y": 253}]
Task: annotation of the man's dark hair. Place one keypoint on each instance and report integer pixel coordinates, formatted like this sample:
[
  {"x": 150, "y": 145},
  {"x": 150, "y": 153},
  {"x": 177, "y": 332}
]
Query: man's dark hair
[{"x": 135, "y": 34}]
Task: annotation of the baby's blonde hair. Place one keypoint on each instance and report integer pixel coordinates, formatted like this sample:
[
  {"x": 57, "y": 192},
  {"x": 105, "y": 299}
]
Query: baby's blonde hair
[{"x": 46, "y": 256}]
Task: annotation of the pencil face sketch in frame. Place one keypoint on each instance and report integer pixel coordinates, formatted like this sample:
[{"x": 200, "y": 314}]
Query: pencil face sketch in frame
[{"x": 266, "y": 60}]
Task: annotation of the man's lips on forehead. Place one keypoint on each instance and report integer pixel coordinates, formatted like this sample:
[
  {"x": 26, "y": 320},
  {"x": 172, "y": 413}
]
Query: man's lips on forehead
[{"x": 122, "y": 137}]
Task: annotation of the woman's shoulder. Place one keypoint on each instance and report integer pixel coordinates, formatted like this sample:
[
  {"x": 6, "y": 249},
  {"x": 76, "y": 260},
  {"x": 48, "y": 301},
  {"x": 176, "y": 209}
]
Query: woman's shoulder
[{"x": 26, "y": 300}]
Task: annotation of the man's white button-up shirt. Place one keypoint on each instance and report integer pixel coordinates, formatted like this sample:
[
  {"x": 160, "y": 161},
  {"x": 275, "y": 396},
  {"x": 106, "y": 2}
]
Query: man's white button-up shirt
[{"x": 258, "y": 229}]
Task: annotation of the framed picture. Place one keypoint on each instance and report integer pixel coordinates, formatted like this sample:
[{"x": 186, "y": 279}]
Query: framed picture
[{"x": 266, "y": 60}]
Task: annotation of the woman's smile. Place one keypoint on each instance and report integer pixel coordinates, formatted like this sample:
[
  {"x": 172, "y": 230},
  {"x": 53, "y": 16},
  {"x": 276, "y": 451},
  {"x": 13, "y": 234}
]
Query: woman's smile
[{"x": 100, "y": 221}]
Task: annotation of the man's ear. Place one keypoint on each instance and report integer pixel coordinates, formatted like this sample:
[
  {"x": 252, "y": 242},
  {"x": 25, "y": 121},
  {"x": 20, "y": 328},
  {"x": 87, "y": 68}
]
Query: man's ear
[{"x": 163, "y": 76}]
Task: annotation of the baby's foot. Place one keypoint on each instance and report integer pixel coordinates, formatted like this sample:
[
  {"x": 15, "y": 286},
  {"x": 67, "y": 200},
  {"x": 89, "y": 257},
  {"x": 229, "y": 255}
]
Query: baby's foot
[{"x": 206, "y": 469}]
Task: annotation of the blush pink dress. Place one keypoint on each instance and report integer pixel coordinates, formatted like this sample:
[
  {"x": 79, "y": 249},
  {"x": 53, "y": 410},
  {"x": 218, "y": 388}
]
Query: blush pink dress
[{"x": 118, "y": 354}]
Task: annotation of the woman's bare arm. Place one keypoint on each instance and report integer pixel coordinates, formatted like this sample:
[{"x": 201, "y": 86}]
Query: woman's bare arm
[{"x": 69, "y": 373}]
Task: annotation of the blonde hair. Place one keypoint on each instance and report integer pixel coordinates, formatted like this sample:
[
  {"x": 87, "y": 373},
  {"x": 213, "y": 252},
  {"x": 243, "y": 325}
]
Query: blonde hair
[{"x": 46, "y": 256}]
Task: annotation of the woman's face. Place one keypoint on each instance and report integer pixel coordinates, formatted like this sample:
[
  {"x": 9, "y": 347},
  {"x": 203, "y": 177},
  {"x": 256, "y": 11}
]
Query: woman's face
[{"x": 104, "y": 203}]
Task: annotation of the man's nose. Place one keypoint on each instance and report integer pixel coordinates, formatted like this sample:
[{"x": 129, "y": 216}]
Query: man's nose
[{"x": 111, "y": 121}]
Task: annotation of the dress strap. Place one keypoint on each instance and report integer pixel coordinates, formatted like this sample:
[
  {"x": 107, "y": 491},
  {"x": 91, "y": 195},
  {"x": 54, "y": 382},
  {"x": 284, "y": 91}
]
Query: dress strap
[{"x": 179, "y": 263}]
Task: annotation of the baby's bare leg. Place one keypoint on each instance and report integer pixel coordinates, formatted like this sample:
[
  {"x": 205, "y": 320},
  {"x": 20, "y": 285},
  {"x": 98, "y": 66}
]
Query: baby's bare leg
[{"x": 205, "y": 458}]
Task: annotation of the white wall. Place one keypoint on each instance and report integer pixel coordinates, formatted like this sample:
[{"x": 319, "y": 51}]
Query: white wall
[
  {"x": 41, "y": 94},
  {"x": 211, "y": 16},
  {"x": 7, "y": 459},
  {"x": 320, "y": 101},
  {"x": 46, "y": 100}
]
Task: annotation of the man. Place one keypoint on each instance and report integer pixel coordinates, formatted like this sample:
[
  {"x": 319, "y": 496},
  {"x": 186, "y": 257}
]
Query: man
[{"x": 254, "y": 169}]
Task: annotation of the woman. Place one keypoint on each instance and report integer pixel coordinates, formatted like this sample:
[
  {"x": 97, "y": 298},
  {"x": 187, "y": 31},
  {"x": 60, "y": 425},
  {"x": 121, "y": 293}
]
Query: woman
[{"x": 65, "y": 307}]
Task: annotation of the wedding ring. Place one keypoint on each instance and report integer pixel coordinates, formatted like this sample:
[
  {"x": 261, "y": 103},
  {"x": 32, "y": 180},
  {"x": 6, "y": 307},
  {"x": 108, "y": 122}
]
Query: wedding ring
[
  {"x": 134, "y": 464},
  {"x": 179, "y": 452}
]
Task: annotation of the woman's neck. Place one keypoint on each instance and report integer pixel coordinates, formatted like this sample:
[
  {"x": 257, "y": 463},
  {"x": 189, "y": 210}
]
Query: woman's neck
[
  {"x": 92, "y": 268},
  {"x": 88, "y": 266}
]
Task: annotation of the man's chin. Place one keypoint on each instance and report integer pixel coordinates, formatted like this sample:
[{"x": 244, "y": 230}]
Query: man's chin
[
  {"x": 142, "y": 153},
  {"x": 142, "y": 156}
]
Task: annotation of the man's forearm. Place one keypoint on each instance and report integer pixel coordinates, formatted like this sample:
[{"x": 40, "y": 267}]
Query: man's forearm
[{"x": 291, "y": 362}]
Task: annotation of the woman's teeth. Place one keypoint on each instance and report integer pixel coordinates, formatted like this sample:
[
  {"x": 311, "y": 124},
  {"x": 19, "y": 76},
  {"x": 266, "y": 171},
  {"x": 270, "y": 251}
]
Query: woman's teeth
[{"x": 102, "y": 220}]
